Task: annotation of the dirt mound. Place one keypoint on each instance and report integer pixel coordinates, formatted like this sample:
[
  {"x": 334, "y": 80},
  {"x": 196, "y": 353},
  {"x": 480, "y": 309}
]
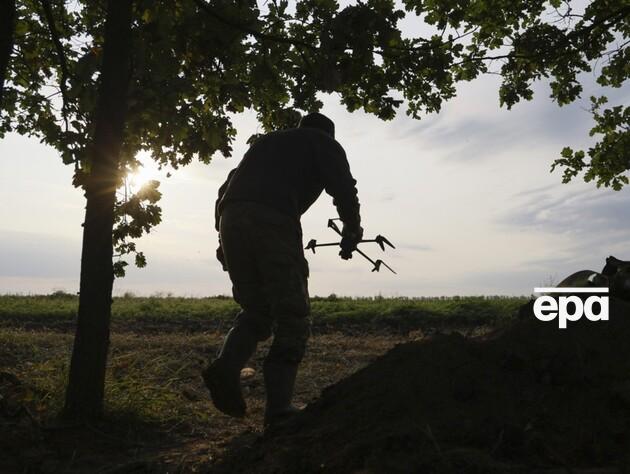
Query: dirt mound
[{"x": 526, "y": 399}]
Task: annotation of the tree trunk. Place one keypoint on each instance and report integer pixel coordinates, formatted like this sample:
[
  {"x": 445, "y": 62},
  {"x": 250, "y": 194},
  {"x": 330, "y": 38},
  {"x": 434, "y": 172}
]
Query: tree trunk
[
  {"x": 84, "y": 395},
  {"x": 7, "y": 30}
]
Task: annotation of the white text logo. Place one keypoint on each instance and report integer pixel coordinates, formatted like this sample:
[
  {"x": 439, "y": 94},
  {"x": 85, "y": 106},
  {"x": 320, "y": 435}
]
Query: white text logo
[{"x": 571, "y": 307}]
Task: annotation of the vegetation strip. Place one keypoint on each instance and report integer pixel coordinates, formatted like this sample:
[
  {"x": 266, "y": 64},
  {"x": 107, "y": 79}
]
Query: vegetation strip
[{"x": 155, "y": 314}]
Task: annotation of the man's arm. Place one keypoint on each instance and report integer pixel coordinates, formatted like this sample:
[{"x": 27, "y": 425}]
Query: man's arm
[
  {"x": 222, "y": 189},
  {"x": 217, "y": 217},
  {"x": 340, "y": 184}
]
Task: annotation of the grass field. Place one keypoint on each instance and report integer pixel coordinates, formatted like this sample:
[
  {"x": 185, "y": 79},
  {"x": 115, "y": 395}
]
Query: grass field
[
  {"x": 158, "y": 412},
  {"x": 57, "y": 312}
]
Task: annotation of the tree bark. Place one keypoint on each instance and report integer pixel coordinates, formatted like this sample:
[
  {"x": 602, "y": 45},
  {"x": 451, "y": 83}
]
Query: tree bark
[
  {"x": 84, "y": 394},
  {"x": 7, "y": 31}
]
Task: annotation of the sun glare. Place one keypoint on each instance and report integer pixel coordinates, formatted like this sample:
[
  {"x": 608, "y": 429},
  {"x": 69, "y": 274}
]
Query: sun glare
[{"x": 148, "y": 171}]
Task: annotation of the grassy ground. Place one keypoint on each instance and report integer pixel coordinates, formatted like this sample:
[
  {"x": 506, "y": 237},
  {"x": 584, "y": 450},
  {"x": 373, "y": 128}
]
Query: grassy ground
[
  {"x": 158, "y": 413},
  {"x": 57, "y": 312}
]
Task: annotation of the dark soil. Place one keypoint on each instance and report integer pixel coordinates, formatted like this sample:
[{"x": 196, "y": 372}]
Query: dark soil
[{"x": 529, "y": 398}]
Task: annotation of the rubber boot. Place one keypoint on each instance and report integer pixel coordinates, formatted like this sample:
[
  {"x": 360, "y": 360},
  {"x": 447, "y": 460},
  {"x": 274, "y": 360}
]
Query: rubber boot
[
  {"x": 279, "y": 384},
  {"x": 223, "y": 376}
]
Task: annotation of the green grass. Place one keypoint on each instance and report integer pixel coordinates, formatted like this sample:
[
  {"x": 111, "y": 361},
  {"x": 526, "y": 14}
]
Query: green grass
[{"x": 58, "y": 311}]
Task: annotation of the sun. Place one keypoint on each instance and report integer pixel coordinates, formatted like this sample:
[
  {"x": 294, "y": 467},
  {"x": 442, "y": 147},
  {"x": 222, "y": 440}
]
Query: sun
[{"x": 147, "y": 171}]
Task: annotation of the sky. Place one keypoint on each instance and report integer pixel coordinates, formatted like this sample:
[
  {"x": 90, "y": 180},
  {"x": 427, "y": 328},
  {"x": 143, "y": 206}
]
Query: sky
[{"x": 466, "y": 196}]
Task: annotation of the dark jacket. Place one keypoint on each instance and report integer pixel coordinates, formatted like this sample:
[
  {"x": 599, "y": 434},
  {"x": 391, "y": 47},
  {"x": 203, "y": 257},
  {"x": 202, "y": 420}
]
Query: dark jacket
[{"x": 288, "y": 170}]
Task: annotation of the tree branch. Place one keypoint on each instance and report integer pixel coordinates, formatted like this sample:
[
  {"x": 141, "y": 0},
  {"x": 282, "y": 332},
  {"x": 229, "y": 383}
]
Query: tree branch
[
  {"x": 7, "y": 27},
  {"x": 61, "y": 57},
  {"x": 568, "y": 39},
  {"x": 248, "y": 29},
  {"x": 621, "y": 13}
]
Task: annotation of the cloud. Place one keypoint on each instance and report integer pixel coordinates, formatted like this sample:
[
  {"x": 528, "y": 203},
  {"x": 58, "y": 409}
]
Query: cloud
[
  {"x": 415, "y": 247},
  {"x": 593, "y": 224},
  {"x": 513, "y": 282},
  {"x": 25, "y": 254},
  {"x": 594, "y": 213},
  {"x": 535, "y": 191},
  {"x": 474, "y": 137},
  {"x": 473, "y": 127},
  {"x": 388, "y": 197}
]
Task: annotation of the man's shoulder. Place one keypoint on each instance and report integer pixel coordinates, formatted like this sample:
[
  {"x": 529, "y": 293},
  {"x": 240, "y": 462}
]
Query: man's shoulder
[
  {"x": 311, "y": 141},
  {"x": 310, "y": 134}
]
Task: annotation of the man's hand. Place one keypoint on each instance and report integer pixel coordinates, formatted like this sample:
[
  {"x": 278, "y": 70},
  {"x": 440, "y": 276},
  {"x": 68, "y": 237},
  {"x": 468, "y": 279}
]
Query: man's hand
[
  {"x": 350, "y": 237},
  {"x": 221, "y": 257}
]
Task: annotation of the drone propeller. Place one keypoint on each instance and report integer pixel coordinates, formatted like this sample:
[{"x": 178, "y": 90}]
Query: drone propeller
[{"x": 379, "y": 239}]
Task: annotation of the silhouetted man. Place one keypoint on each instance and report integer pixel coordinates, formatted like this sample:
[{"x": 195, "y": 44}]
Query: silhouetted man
[{"x": 258, "y": 218}]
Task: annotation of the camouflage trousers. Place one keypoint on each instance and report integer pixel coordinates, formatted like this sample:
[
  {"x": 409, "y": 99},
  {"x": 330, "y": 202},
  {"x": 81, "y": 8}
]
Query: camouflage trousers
[{"x": 265, "y": 260}]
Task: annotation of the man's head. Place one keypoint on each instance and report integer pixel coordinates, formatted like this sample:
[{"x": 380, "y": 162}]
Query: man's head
[{"x": 318, "y": 121}]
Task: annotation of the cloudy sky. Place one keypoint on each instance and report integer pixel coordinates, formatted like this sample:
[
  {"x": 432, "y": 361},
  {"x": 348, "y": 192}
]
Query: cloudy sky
[{"x": 466, "y": 196}]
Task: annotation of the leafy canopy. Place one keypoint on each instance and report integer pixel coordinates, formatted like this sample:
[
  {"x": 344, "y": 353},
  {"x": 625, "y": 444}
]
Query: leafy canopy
[{"x": 196, "y": 63}]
